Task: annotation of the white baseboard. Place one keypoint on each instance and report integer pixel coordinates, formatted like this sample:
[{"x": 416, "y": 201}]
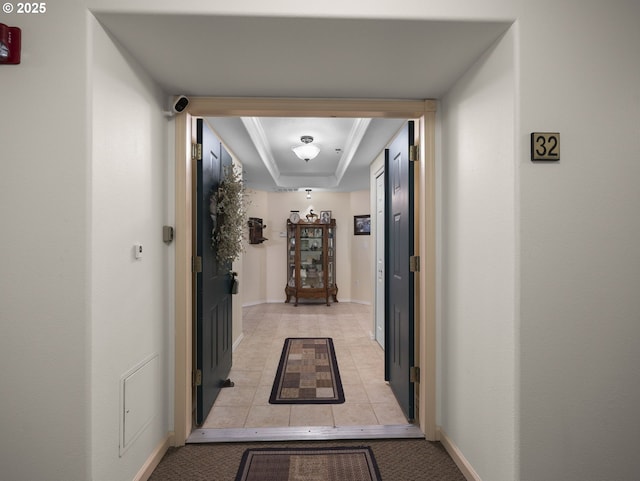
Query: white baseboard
[
  {"x": 153, "y": 460},
  {"x": 237, "y": 343},
  {"x": 281, "y": 301},
  {"x": 457, "y": 456},
  {"x": 264, "y": 301},
  {"x": 253, "y": 303},
  {"x": 355, "y": 301}
]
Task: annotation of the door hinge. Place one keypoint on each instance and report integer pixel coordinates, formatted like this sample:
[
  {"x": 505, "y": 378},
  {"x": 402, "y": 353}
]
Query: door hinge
[
  {"x": 414, "y": 264},
  {"x": 414, "y": 153},
  {"x": 414, "y": 374},
  {"x": 196, "y": 264},
  {"x": 197, "y": 377},
  {"x": 196, "y": 151}
]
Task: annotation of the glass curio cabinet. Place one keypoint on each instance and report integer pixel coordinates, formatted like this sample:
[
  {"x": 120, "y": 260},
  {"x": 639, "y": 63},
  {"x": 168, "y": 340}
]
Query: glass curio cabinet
[{"x": 311, "y": 261}]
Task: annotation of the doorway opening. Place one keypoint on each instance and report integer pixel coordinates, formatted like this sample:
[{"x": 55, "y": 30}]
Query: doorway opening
[
  {"x": 424, "y": 111},
  {"x": 244, "y": 412}
]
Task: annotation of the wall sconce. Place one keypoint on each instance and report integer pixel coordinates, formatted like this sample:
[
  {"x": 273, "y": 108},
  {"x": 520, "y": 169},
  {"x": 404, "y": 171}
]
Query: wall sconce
[{"x": 308, "y": 193}]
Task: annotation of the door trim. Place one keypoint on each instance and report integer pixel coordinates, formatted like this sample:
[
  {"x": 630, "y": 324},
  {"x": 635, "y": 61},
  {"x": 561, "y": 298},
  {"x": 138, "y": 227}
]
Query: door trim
[
  {"x": 378, "y": 316},
  {"x": 425, "y": 290}
]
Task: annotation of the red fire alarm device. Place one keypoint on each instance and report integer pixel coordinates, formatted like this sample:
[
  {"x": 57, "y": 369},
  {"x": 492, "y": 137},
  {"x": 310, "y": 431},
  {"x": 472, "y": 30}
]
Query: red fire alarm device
[{"x": 10, "y": 38}]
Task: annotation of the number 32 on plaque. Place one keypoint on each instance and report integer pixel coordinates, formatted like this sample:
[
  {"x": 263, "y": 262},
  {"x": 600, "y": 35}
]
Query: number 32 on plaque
[{"x": 545, "y": 146}]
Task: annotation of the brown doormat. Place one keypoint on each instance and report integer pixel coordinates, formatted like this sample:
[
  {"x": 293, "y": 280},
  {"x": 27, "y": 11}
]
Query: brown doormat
[
  {"x": 307, "y": 373},
  {"x": 309, "y": 464}
]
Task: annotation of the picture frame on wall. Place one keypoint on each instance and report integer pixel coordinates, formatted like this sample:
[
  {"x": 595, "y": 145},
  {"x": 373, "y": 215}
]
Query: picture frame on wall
[
  {"x": 362, "y": 225},
  {"x": 325, "y": 217}
]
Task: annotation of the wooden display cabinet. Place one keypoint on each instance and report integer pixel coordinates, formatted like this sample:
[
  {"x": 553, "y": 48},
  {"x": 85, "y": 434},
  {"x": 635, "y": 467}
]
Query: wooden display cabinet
[{"x": 311, "y": 261}]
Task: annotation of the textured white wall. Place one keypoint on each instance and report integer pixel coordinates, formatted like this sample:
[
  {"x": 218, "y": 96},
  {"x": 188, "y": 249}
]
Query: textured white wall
[
  {"x": 131, "y": 318},
  {"x": 254, "y": 275},
  {"x": 580, "y": 255},
  {"x": 236, "y": 299},
  {"x": 361, "y": 251},
  {"x": 45, "y": 384},
  {"x": 477, "y": 324}
]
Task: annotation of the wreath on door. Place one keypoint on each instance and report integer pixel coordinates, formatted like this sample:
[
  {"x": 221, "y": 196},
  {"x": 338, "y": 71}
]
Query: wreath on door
[{"x": 228, "y": 211}]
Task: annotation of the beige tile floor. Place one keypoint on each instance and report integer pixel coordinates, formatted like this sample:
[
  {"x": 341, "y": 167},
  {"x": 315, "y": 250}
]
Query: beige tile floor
[{"x": 368, "y": 398}]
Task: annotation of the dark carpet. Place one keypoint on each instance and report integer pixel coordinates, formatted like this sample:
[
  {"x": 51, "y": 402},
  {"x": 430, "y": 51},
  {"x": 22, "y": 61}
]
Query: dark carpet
[{"x": 398, "y": 460}]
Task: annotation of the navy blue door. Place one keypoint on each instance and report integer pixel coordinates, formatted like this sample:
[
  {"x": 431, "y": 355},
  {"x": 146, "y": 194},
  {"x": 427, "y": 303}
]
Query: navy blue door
[
  {"x": 213, "y": 292},
  {"x": 399, "y": 295}
]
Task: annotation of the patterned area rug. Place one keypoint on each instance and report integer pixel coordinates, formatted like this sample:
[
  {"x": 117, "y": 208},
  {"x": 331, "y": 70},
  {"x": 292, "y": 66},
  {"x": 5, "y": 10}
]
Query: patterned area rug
[
  {"x": 309, "y": 464},
  {"x": 307, "y": 373}
]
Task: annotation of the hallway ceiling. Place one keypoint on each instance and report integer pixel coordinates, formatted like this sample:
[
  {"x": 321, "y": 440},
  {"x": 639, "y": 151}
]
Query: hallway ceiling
[{"x": 302, "y": 58}]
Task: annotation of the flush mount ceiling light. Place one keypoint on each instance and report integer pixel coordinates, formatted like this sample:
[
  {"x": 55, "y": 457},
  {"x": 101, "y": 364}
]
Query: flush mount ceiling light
[{"x": 306, "y": 151}]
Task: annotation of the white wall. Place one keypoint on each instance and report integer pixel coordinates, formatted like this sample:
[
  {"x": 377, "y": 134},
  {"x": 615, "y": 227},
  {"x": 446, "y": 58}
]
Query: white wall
[
  {"x": 131, "y": 317},
  {"x": 477, "y": 257},
  {"x": 253, "y": 282},
  {"x": 362, "y": 247},
  {"x": 580, "y": 264},
  {"x": 45, "y": 304},
  {"x": 236, "y": 299}
]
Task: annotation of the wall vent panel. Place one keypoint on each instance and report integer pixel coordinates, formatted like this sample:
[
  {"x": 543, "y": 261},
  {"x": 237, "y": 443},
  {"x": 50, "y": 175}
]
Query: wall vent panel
[{"x": 138, "y": 388}]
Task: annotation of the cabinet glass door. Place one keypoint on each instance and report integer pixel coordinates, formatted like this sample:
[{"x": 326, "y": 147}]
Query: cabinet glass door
[
  {"x": 311, "y": 251},
  {"x": 291, "y": 255},
  {"x": 331, "y": 256}
]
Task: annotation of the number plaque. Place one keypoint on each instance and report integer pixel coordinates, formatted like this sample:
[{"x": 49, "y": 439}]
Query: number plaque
[{"x": 545, "y": 146}]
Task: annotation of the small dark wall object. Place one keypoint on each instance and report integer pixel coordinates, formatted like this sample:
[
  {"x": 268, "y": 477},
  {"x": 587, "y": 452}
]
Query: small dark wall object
[
  {"x": 235, "y": 285},
  {"x": 255, "y": 231},
  {"x": 361, "y": 225},
  {"x": 167, "y": 234},
  {"x": 10, "y": 40}
]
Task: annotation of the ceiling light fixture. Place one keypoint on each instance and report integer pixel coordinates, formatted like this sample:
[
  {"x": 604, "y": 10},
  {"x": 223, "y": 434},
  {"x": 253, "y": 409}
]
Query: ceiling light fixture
[
  {"x": 308, "y": 193},
  {"x": 306, "y": 151}
]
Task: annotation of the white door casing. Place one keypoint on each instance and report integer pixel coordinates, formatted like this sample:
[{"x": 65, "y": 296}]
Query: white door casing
[
  {"x": 424, "y": 112},
  {"x": 379, "y": 310}
]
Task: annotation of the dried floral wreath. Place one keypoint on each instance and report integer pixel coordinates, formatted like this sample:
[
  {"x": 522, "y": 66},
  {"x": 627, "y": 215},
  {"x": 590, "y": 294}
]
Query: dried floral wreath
[{"x": 228, "y": 210}]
